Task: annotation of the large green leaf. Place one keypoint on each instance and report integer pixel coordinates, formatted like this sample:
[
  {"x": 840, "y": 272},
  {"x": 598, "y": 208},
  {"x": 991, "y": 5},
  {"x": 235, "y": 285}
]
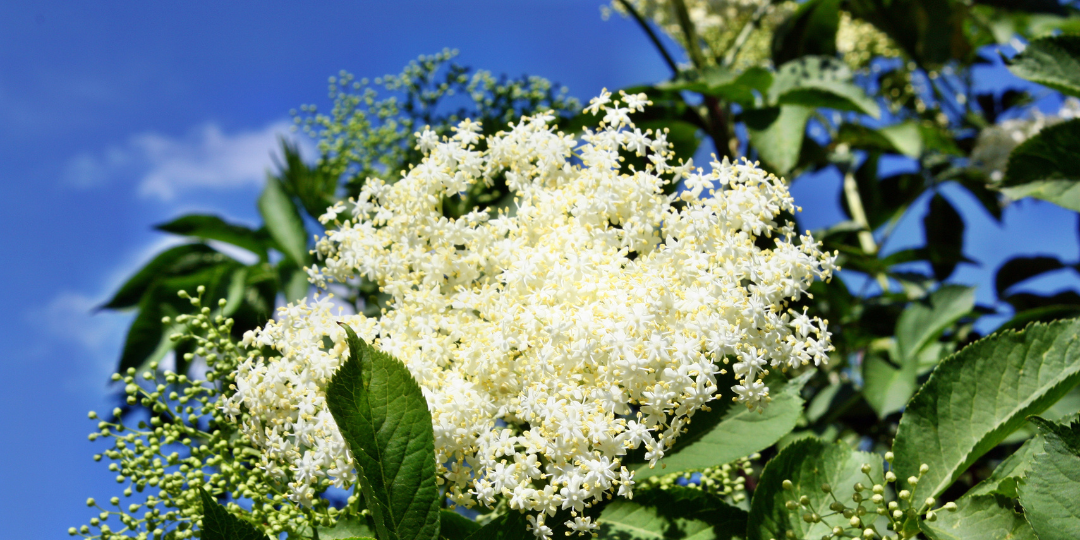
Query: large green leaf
[
  {"x": 725, "y": 435},
  {"x": 1045, "y": 167},
  {"x": 208, "y": 227},
  {"x": 1050, "y": 493},
  {"x": 808, "y": 463},
  {"x": 219, "y": 524},
  {"x": 986, "y": 517},
  {"x": 179, "y": 260},
  {"x": 978, "y": 396},
  {"x": 923, "y": 322},
  {"x": 1051, "y": 61},
  {"x": 283, "y": 222},
  {"x": 777, "y": 134},
  {"x": 1007, "y": 474},
  {"x": 383, "y": 416},
  {"x": 675, "y": 513}
]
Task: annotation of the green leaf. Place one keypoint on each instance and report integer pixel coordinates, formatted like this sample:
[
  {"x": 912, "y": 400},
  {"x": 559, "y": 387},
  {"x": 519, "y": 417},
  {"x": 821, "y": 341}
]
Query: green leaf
[
  {"x": 1008, "y": 473},
  {"x": 723, "y": 83},
  {"x": 354, "y": 527},
  {"x": 985, "y": 517},
  {"x": 174, "y": 261},
  {"x": 147, "y": 339},
  {"x": 209, "y": 227},
  {"x": 454, "y": 526},
  {"x": 1051, "y": 61},
  {"x": 887, "y": 388},
  {"x": 219, "y": 524},
  {"x": 903, "y": 138},
  {"x": 808, "y": 463},
  {"x": 811, "y": 30},
  {"x": 383, "y": 416},
  {"x": 734, "y": 433},
  {"x": 777, "y": 134},
  {"x": 1019, "y": 269},
  {"x": 674, "y": 513},
  {"x": 923, "y": 322},
  {"x": 283, "y": 222},
  {"x": 978, "y": 396},
  {"x": 944, "y": 229},
  {"x": 511, "y": 526},
  {"x": 1045, "y": 167},
  {"x": 294, "y": 281},
  {"x": 818, "y": 81},
  {"x": 1049, "y": 493}
]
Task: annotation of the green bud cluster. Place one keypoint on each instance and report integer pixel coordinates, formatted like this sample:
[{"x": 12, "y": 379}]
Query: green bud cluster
[
  {"x": 856, "y": 518},
  {"x": 189, "y": 443}
]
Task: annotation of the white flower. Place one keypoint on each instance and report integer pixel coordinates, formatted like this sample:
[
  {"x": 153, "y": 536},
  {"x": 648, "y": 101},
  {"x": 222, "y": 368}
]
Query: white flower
[{"x": 592, "y": 320}]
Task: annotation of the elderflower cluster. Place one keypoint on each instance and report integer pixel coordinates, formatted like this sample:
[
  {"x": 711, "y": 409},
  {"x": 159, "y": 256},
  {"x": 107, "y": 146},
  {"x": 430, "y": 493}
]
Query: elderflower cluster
[
  {"x": 994, "y": 144},
  {"x": 550, "y": 337},
  {"x": 858, "y": 42},
  {"x": 719, "y": 24}
]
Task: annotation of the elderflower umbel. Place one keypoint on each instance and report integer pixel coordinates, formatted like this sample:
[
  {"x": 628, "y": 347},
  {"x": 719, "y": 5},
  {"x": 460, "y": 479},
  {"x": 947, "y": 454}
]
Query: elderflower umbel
[
  {"x": 996, "y": 142},
  {"x": 550, "y": 338}
]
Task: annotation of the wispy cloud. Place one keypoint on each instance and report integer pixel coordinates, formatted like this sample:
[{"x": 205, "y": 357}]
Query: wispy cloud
[{"x": 208, "y": 157}]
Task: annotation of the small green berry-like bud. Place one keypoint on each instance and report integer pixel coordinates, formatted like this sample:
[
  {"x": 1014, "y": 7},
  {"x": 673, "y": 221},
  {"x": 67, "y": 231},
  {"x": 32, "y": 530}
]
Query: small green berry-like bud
[
  {"x": 950, "y": 506},
  {"x": 826, "y": 488},
  {"x": 114, "y": 501},
  {"x": 92, "y": 415},
  {"x": 890, "y": 477},
  {"x": 888, "y": 457},
  {"x": 836, "y": 507},
  {"x": 857, "y": 497},
  {"x": 878, "y": 488},
  {"x": 791, "y": 505},
  {"x": 808, "y": 517},
  {"x": 897, "y": 514},
  {"x": 865, "y": 468},
  {"x": 787, "y": 485},
  {"x": 869, "y": 533},
  {"x": 804, "y": 500},
  {"x": 904, "y": 494},
  {"x": 930, "y": 502},
  {"x": 90, "y": 502},
  {"x": 72, "y": 531},
  {"x": 923, "y": 468},
  {"x": 913, "y": 481},
  {"x": 855, "y": 521},
  {"x": 931, "y": 516},
  {"x": 859, "y": 487},
  {"x": 877, "y": 498}
]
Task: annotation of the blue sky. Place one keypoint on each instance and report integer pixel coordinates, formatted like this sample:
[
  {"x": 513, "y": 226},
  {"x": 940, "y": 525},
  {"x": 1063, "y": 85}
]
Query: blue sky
[{"x": 115, "y": 116}]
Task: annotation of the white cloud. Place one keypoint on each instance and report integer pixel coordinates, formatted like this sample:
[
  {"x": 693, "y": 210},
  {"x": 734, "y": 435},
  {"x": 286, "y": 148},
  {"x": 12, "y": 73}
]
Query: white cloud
[{"x": 206, "y": 158}]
